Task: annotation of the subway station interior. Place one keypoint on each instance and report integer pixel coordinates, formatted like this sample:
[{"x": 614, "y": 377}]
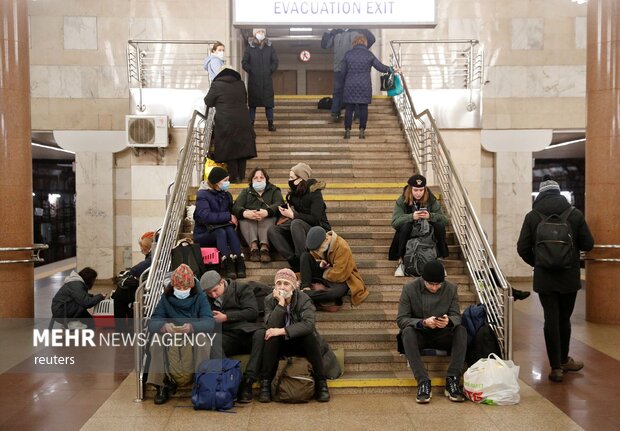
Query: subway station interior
[{"x": 104, "y": 134}]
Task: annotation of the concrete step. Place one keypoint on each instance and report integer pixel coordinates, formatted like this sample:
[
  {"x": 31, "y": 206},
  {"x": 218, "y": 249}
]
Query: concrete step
[
  {"x": 274, "y": 144},
  {"x": 326, "y": 156},
  {"x": 305, "y": 130}
]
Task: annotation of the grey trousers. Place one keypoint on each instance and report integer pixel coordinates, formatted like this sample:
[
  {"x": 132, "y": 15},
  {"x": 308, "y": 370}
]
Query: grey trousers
[
  {"x": 253, "y": 230},
  {"x": 289, "y": 238}
]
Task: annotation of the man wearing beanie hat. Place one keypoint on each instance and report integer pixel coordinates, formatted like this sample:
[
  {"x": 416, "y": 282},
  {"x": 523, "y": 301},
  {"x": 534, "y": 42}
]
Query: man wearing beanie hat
[
  {"x": 215, "y": 223},
  {"x": 184, "y": 309},
  {"x": 417, "y": 208},
  {"x": 556, "y": 280},
  {"x": 305, "y": 208},
  {"x": 429, "y": 316},
  {"x": 329, "y": 271},
  {"x": 290, "y": 320},
  {"x": 235, "y": 308},
  {"x": 260, "y": 61}
]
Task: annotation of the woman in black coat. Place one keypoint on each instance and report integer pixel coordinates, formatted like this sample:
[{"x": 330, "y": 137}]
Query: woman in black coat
[
  {"x": 235, "y": 140},
  {"x": 260, "y": 61},
  {"x": 556, "y": 288}
]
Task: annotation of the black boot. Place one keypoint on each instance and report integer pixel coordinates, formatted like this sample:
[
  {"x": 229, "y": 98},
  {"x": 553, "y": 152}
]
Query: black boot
[
  {"x": 240, "y": 266},
  {"x": 270, "y": 126},
  {"x": 347, "y": 133},
  {"x": 245, "y": 391},
  {"x": 321, "y": 393},
  {"x": 362, "y": 133},
  {"x": 229, "y": 267},
  {"x": 265, "y": 391},
  {"x": 162, "y": 395}
]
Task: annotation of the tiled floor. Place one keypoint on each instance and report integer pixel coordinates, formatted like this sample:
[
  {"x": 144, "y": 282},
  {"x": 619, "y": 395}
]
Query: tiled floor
[{"x": 97, "y": 401}]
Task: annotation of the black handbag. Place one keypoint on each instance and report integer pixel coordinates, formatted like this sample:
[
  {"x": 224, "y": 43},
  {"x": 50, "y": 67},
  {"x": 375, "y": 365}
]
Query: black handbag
[
  {"x": 387, "y": 81},
  {"x": 212, "y": 227}
]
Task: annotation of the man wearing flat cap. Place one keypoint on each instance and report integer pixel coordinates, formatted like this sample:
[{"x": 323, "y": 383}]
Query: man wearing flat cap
[
  {"x": 429, "y": 317},
  {"x": 234, "y": 307},
  {"x": 329, "y": 271}
]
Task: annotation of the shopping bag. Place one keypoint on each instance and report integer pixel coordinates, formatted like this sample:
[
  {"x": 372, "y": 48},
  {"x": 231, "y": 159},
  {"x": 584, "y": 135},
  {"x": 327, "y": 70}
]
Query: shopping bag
[
  {"x": 398, "y": 87},
  {"x": 387, "y": 81},
  {"x": 210, "y": 164},
  {"x": 492, "y": 381}
]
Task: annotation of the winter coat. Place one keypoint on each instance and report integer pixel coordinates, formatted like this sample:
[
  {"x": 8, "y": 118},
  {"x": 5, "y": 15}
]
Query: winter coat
[
  {"x": 140, "y": 267},
  {"x": 357, "y": 64},
  {"x": 194, "y": 309},
  {"x": 213, "y": 65},
  {"x": 250, "y": 199},
  {"x": 260, "y": 61},
  {"x": 240, "y": 307},
  {"x": 343, "y": 268},
  {"x": 417, "y": 303},
  {"x": 303, "y": 318},
  {"x": 213, "y": 207},
  {"x": 342, "y": 41},
  {"x": 72, "y": 299},
  {"x": 233, "y": 134},
  {"x": 310, "y": 207},
  {"x": 549, "y": 280},
  {"x": 402, "y": 212}
]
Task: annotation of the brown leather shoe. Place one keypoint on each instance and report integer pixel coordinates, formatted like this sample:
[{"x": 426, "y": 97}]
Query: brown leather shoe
[
  {"x": 556, "y": 375},
  {"x": 265, "y": 257},
  {"x": 571, "y": 365}
]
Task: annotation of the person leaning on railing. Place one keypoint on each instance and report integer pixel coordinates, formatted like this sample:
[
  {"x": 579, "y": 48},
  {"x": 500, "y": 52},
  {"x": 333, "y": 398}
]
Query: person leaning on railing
[
  {"x": 416, "y": 203},
  {"x": 256, "y": 208}
]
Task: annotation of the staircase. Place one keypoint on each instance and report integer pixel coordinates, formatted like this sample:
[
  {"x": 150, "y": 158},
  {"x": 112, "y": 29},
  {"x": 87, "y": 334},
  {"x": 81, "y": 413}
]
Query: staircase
[{"x": 364, "y": 178}]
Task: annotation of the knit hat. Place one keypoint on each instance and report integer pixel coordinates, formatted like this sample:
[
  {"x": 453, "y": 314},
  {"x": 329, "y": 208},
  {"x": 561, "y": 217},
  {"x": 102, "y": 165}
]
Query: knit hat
[
  {"x": 182, "y": 277},
  {"x": 287, "y": 275},
  {"x": 316, "y": 236},
  {"x": 217, "y": 174},
  {"x": 548, "y": 184},
  {"x": 302, "y": 170},
  {"x": 417, "y": 180},
  {"x": 434, "y": 272},
  {"x": 149, "y": 234},
  {"x": 209, "y": 280},
  {"x": 256, "y": 30}
]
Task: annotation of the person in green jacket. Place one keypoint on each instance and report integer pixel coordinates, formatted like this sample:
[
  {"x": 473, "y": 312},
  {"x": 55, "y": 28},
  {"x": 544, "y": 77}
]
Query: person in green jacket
[
  {"x": 416, "y": 203},
  {"x": 256, "y": 209}
]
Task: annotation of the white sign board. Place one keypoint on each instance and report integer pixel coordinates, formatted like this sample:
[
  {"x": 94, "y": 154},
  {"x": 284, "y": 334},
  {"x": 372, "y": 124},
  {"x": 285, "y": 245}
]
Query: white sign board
[{"x": 350, "y": 13}]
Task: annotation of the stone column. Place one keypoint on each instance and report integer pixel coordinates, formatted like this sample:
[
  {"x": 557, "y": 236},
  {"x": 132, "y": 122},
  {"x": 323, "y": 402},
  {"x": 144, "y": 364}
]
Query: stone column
[
  {"x": 603, "y": 158},
  {"x": 16, "y": 280}
]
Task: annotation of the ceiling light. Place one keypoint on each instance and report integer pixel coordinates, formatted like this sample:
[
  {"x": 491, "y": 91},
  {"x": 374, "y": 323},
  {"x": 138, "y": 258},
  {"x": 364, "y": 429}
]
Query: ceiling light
[{"x": 300, "y": 29}]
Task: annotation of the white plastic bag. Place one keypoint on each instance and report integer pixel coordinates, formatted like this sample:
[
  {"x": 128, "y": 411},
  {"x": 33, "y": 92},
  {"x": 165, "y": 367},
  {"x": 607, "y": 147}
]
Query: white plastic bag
[{"x": 492, "y": 381}]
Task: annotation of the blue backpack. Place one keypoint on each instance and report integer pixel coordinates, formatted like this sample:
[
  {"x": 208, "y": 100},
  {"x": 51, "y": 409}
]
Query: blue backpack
[{"x": 216, "y": 384}]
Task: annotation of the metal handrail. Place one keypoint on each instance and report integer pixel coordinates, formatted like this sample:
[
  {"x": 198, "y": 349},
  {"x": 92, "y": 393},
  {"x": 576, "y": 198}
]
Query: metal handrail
[
  {"x": 428, "y": 148},
  {"x": 584, "y": 256},
  {"x": 149, "y": 291},
  {"x": 35, "y": 250}
]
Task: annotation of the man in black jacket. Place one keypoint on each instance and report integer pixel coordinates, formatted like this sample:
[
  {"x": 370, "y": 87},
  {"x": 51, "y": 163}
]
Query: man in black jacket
[
  {"x": 429, "y": 317},
  {"x": 234, "y": 307},
  {"x": 556, "y": 288}
]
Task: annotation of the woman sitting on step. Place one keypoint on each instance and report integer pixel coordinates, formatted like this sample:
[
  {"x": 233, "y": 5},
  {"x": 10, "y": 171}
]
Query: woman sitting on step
[
  {"x": 416, "y": 203},
  {"x": 215, "y": 222},
  {"x": 256, "y": 208},
  {"x": 304, "y": 209}
]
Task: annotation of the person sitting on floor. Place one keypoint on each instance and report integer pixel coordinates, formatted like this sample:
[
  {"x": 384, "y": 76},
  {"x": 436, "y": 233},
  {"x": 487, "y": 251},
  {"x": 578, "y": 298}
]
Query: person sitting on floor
[
  {"x": 256, "y": 208},
  {"x": 329, "y": 271},
  {"x": 215, "y": 222},
  {"x": 290, "y": 319},
  {"x": 182, "y": 309},
  {"x": 72, "y": 300},
  {"x": 234, "y": 307},
  {"x": 429, "y": 317}
]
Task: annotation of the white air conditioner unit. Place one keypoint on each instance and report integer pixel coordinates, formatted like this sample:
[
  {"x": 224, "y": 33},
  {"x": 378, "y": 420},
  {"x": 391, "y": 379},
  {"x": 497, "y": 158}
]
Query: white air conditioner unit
[{"x": 146, "y": 131}]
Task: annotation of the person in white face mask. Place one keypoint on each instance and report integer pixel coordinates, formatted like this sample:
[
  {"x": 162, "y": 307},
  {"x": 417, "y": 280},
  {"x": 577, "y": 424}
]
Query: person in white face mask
[
  {"x": 260, "y": 61},
  {"x": 182, "y": 309},
  {"x": 215, "y": 61},
  {"x": 256, "y": 209}
]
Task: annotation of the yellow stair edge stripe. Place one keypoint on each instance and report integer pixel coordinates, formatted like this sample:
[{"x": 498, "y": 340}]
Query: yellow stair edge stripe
[
  {"x": 331, "y": 185},
  {"x": 314, "y": 96},
  {"x": 352, "y": 198},
  {"x": 343, "y": 382}
]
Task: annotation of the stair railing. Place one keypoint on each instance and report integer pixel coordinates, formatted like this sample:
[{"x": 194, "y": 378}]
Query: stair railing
[
  {"x": 428, "y": 149},
  {"x": 150, "y": 289}
]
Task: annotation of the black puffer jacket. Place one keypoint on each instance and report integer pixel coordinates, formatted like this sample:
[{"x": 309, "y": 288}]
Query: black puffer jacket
[
  {"x": 548, "y": 280},
  {"x": 72, "y": 299},
  {"x": 260, "y": 61},
  {"x": 310, "y": 206}
]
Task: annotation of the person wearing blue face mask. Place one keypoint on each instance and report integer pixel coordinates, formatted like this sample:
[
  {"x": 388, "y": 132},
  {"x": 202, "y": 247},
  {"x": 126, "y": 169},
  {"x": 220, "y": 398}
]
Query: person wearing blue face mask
[
  {"x": 182, "y": 309},
  {"x": 215, "y": 222},
  {"x": 256, "y": 209}
]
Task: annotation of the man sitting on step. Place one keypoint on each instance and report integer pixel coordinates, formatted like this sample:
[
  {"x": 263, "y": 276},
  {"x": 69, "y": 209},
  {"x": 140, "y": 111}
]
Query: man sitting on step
[
  {"x": 429, "y": 317},
  {"x": 234, "y": 307},
  {"x": 329, "y": 271}
]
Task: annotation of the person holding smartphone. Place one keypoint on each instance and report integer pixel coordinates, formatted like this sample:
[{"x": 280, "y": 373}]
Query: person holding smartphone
[
  {"x": 429, "y": 316},
  {"x": 417, "y": 202}
]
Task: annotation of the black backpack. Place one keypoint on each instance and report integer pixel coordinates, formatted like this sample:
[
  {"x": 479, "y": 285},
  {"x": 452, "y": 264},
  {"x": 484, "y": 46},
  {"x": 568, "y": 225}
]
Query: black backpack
[
  {"x": 554, "y": 247},
  {"x": 190, "y": 255},
  {"x": 420, "y": 250},
  {"x": 325, "y": 103}
]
